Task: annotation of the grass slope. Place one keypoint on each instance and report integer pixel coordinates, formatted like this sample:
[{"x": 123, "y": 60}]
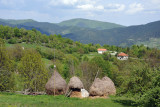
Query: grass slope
[{"x": 16, "y": 100}]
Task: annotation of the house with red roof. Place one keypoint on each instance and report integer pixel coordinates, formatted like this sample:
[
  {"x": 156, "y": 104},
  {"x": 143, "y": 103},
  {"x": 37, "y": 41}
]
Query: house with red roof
[
  {"x": 122, "y": 56},
  {"x": 101, "y": 51}
]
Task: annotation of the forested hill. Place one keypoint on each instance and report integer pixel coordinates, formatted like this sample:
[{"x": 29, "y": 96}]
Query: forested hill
[
  {"x": 91, "y": 24},
  {"x": 87, "y": 31},
  {"x": 119, "y": 36},
  {"x": 64, "y": 27}
]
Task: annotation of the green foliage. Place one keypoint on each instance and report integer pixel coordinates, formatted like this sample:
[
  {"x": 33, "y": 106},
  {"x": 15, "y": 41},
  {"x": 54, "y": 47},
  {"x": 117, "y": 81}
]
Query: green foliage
[
  {"x": 33, "y": 71},
  {"x": 85, "y": 58},
  {"x": 151, "y": 98},
  {"x": 6, "y": 68},
  {"x": 12, "y": 41},
  {"x": 102, "y": 65}
]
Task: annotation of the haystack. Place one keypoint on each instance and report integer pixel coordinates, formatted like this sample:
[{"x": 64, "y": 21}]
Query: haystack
[
  {"x": 75, "y": 85},
  {"x": 102, "y": 88},
  {"x": 56, "y": 85}
]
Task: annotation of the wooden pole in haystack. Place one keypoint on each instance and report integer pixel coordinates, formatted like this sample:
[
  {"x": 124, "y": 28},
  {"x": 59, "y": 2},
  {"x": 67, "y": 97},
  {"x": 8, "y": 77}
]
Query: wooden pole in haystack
[{"x": 54, "y": 71}]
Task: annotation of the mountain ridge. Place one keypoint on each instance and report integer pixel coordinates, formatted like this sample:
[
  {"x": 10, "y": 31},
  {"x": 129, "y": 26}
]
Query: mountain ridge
[
  {"x": 87, "y": 23},
  {"x": 121, "y": 36}
]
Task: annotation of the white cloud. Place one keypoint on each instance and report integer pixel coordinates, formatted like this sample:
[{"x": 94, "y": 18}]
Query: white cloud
[
  {"x": 62, "y": 2},
  {"x": 155, "y": 1},
  {"x": 71, "y": 2},
  {"x": 115, "y": 7},
  {"x": 86, "y": 7},
  {"x": 90, "y": 7},
  {"x": 134, "y": 8}
]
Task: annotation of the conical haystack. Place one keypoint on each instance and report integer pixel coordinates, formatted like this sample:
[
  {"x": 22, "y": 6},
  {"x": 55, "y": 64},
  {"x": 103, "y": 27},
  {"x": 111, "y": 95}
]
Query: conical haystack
[
  {"x": 75, "y": 85},
  {"x": 56, "y": 85},
  {"x": 109, "y": 85},
  {"x": 102, "y": 87}
]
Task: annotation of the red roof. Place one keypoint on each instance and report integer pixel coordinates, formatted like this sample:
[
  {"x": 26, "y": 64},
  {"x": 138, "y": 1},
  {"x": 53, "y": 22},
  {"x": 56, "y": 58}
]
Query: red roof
[
  {"x": 102, "y": 49},
  {"x": 122, "y": 54}
]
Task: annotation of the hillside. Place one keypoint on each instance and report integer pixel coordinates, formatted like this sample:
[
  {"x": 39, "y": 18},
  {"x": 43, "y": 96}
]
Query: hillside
[
  {"x": 118, "y": 36},
  {"x": 15, "y": 22},
  {"x": 86, "y": 31},
  {"x": 28, "y": 58},
  {"x": 91, "y": 24}
]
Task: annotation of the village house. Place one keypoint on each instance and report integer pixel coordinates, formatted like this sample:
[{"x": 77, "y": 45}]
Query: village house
[
  {"x": 122, "y": 56},
  {"x": 113, "y": 53},
  {"x": 101, "y": 51}
]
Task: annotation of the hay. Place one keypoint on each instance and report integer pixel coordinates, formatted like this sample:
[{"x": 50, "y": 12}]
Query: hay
[
  {"x": 56, "y": 83},
  {"x": 76, "y": 94},
  {"x": 75, "y": 83},
  {"x": 102, "y": 87},
  {"x": 109, "y": 85}
]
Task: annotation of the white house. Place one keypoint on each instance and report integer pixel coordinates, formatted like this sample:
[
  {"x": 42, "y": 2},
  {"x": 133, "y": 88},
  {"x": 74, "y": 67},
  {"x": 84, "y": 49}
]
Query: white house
[
  {"x": 101, "y": 51},
  {"x": 122, "y": 56},
  {"x": 113, "y": 53}
]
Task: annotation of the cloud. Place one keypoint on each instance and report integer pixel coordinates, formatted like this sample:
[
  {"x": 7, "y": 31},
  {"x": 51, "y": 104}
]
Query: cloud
[
  {"x": 134, "y": 8},
  {"x": 70, "y": 2},
  {"x": 115, "y": 7},
  {"x": 63, "y": 2},
  {"x": 90, "y": 7},
  {"x": 155, "y": 1}
]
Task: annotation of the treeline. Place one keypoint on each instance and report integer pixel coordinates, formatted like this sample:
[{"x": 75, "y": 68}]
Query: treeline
[{"x": 137, "y": 78}]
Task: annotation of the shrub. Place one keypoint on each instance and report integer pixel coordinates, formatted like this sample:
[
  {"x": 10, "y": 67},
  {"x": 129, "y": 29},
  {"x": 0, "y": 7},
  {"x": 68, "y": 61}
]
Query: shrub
[
  {"x": 12, "y": 41},
  {"x": 151, "y": 98}
]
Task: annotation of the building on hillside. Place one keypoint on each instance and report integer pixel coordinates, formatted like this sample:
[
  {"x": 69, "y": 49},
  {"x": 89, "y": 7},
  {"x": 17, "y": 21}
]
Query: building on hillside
[
  {"x": 122, "y": 56},
  {"x": 113, "y": 53},
  {"x": 101, "y": 51}
]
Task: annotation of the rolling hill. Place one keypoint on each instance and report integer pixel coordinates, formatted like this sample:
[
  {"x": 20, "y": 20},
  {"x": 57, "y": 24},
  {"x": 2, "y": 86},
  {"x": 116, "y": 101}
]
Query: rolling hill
[
  {"x": 119, "y": 36},
  {"x": 86, "y": 23},
  {"x": 89, "y": 31}
]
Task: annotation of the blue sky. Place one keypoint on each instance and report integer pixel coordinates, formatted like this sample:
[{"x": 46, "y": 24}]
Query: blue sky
[{"x": 125, "y": 12}]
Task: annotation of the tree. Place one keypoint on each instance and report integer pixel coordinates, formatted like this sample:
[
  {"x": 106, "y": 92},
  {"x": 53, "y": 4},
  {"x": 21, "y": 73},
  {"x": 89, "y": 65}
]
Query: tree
[
  {"x": 102, "y": 65},
  {"x": 17, "y": 32},
  {"x": 89, "y": 72},
  {"x": 6, "y": 68},
  {"x": 33, "y": 71}
]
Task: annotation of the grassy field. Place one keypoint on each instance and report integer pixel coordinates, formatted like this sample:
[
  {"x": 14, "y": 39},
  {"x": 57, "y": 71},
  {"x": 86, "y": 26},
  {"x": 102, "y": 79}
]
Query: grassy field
[
  {"x": 17, "y": 100},
  {"x": 92, "y": 54}
]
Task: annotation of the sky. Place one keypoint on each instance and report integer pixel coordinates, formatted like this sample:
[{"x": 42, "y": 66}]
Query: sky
[{"x": 124, "y": 12}]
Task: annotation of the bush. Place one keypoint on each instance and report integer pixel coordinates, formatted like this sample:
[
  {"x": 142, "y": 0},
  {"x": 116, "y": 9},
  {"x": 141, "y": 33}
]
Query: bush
[
  {"x": 12, "y": 41},
  {"x": 151, "y": 98}
]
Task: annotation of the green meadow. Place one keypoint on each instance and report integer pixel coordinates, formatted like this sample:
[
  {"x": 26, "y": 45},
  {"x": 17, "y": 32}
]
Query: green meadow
[{"x": 17, "y": 100}]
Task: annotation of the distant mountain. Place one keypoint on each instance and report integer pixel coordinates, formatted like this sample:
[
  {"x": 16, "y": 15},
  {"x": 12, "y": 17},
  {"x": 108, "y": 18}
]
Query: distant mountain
[
  {"x": 121, "y": 36},
  {"x": 15, "y": 22},
  {"x": 86, "y": 23},
  {"x": 118, "y": 36}
]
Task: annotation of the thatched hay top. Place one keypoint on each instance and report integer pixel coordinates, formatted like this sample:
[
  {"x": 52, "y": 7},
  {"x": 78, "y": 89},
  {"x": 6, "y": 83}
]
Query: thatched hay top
[
  {"x": 102, "y": 87},
  {"x": 56, "y": 83},
  {"x": 75, "y": 83}
]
